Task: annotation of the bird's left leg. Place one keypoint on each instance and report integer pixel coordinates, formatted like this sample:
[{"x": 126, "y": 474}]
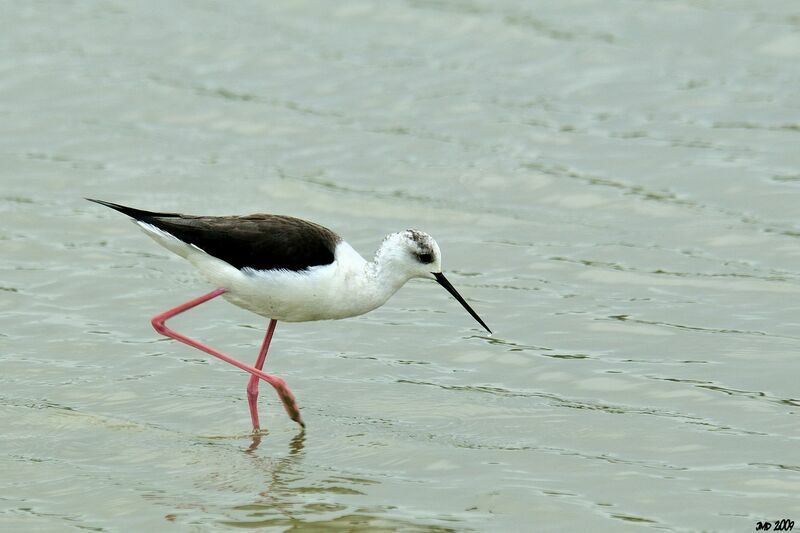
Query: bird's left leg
[
  {"x": 252, "y": 385},
  {"x": 159, "y": 323}
]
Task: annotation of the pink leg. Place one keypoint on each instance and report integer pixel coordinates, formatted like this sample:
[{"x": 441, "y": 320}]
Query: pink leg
[
  {"x": 277, "y": 383},
  {"x": 252, "y": 385}
]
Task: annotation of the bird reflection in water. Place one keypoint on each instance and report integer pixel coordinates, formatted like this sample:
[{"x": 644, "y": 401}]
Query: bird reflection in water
[{"x": 296, "y": 445}]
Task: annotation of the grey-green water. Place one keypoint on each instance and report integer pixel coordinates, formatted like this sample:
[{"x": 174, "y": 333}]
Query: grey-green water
[{"x": 615, "y": 187}]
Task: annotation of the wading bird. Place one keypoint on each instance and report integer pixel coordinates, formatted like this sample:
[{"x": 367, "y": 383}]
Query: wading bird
[{"x": 285, "y": 268}]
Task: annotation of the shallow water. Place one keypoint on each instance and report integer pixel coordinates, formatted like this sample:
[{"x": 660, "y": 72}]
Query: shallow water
[{"x": 615, "y": 189}]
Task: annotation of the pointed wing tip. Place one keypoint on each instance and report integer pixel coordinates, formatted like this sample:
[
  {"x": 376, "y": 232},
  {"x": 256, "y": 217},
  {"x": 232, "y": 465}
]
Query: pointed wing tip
[
  {"x": 103, "y": 202},
  {"x": 137, "y": 214}
]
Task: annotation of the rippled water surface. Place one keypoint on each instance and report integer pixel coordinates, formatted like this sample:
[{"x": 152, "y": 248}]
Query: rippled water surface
[{"x": 615, "y": 187}]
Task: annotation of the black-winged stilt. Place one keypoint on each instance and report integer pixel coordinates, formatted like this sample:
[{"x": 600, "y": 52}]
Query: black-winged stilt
[{"x": 285, "y": 268}]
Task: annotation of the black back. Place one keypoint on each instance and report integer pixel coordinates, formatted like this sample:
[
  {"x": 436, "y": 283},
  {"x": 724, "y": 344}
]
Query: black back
[{"x": 259, "y": 242}]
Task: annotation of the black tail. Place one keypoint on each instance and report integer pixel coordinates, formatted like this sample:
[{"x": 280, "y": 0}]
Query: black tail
[{"x": 138, "y": 214}]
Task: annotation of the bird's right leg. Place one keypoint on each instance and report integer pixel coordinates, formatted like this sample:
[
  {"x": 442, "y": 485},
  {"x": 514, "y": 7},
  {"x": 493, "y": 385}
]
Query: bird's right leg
[{"x": 159, "y": 323}]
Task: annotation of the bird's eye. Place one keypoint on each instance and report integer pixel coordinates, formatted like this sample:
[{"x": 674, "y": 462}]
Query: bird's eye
[{"x": 425, "y": 258}]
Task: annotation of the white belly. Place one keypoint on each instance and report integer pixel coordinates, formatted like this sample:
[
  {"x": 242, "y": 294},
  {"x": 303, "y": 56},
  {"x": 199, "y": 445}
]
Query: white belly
[{"x": 293, "y": 296}]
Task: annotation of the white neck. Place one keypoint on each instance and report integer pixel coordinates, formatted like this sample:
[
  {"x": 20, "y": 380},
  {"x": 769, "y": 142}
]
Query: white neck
[
  {"x": 369, "y": 284},
  {"x": 384, "y": 280}
]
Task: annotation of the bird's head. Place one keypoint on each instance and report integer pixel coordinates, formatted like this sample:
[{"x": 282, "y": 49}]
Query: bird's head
[
  {"x": 415, "y": 254},
  {"x": 412, "y": 253}
]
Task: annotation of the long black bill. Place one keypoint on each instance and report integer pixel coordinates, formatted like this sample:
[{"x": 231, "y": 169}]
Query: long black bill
[{"x": 452, "y": 290}]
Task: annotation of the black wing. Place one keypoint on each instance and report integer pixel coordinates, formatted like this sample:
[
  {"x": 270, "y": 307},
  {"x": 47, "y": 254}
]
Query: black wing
[{"x": 260, "y": 242}]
